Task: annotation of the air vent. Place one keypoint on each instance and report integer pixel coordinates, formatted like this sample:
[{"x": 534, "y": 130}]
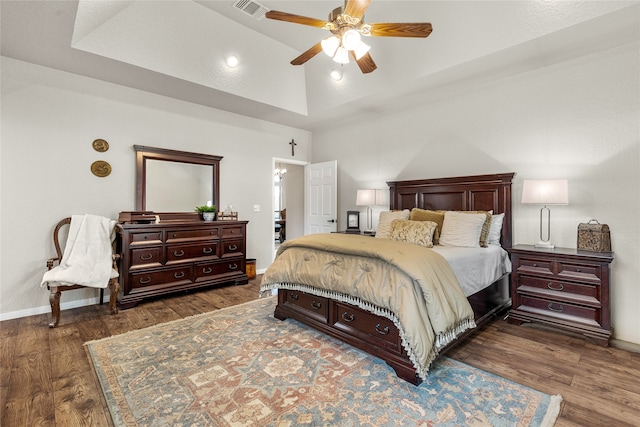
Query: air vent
[{"x": 251, "y": 7}]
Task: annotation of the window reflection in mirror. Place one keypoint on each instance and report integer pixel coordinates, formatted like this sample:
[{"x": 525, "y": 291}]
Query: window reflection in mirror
[{"x": 177, "y": 187}]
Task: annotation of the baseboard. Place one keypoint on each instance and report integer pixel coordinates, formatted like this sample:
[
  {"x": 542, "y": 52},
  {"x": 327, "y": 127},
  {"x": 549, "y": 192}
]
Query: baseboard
[{"x": 47, "y": 308}]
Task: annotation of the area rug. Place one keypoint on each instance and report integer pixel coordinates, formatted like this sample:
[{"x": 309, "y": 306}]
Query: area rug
[{"x": 242, "y": 367}]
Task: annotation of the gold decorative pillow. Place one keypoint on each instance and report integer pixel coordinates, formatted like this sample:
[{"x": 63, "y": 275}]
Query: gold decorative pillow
[
  {"x": 418, "y": 214},
  {"x": 416, "y": 232}
]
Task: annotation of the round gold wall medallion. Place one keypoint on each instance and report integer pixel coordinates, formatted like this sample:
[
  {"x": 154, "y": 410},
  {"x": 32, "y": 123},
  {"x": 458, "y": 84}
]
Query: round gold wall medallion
[
  {"x": 100, "y": 168},
  {"x": 100, "y": 145}
]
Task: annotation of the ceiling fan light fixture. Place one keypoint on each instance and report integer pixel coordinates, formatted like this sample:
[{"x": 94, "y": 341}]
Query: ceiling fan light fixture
[
  {"x": 351, "y": 39},
  {"x": 336, "y": 74},
  {"x": 341, "y": 56},
  {"x": 361, "y": 50},
  {"x": 330, "y": 45}
]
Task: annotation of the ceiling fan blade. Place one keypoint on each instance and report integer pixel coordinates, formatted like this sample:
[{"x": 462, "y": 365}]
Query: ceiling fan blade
[
  {"x": 356, "y": 8},
  {"x": 416, "y": 29},
  {"x": 365, "y": 63},
  {"x": 296, "y": 19},
  {"x": 310, "y": 53}
]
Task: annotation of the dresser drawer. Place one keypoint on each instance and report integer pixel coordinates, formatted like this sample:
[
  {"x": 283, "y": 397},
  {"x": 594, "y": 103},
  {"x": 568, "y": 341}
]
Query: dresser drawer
[
  {"x": 197, "y": 234},
  {"x": 363, "y": 324},
  {"x": 165, "y": 277},
  {"x": 207, "y": 269},
  {"x": 232, "y": 231},
  {"x": 576, "y": 292},
  {"x": 561, "y": 310},
  {"x": 314, "y": 306},
  {"x": 146, "y": 257},
  {"x": 582, "y": 272},
  {"x": 232, "y": 248},
  {"x": 146, "y": 238},
  {"x": 182, "y": 253},
  {"x": 534, "y": 266}
]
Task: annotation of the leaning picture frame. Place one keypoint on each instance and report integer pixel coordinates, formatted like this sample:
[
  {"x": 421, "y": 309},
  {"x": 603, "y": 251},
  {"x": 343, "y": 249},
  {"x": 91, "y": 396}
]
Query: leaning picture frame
[{"x": 353, "y": 222}]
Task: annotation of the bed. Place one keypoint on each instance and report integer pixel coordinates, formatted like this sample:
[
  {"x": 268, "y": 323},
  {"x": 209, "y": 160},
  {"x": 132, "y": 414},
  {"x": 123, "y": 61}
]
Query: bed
[{"x": 367, "y": 322}]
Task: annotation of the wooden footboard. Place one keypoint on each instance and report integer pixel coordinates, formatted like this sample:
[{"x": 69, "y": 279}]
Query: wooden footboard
[{"x": 374, "y": 334}]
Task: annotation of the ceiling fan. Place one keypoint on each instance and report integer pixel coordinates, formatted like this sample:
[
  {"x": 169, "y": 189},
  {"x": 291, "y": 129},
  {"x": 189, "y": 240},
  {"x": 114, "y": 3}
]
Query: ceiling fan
[{"x": 347, "y": 26}]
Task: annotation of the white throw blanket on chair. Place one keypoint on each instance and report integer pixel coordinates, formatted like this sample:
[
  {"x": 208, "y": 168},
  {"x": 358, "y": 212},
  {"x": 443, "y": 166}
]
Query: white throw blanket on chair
[{"x": 88, "y": 256}]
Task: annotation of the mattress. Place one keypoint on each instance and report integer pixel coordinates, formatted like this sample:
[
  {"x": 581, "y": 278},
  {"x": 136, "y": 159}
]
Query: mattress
[{"x": 476, "y": 268}]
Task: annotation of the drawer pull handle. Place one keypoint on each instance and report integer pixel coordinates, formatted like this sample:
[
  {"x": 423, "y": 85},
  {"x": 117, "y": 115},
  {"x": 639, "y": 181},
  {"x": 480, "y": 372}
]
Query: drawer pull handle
[
  {"x": 293, "y": 297},
  {"x": 174, "y": 234},
  {"x": 559, "y": 288},
  {"x": 384, "y": 331},
  {"x": 211, "y": 233},
  {"x": 207, "y": 250},
  {"x": 176, "y": 253},
  {"x": 559, "y": 309},
  {"x": 233, "y": 247},
  {"x": 179, "y": 275},
  {"x": 145, "y": 281},
  {"x": 233, "y": 266},
  {"x": 207, "y": 270},
  {"x": 578, "y": 270},
  {"x": 348, "y": 318},
  {"x": 316, "y": 305},
  {"x": 146, "y": 257},
  {"x": 535, "y": 265}
]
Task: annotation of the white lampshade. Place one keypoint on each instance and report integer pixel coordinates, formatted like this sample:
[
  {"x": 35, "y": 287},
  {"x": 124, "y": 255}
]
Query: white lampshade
[
  {"x": 361, "y": 50},
  {"x": 330, "y": 45},
  {"x": 351, "y": 39},
  {"x": 545, "y": 192},
  {"x": 341, "y": 56},
  {"x": 366, "y": 198}
]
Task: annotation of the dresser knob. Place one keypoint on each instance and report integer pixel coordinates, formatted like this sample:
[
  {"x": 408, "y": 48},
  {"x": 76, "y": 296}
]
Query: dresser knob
[
  {"x": 559, "y": 288},
  {"x": 348, "y": 318},
  {"x": 535, "y": 265},
  {"x": 558, "y": 309},
  {"x": 578, "y": 270},
  {"x": 316, "y": 305},
  {"x": 383, "y": 331}
]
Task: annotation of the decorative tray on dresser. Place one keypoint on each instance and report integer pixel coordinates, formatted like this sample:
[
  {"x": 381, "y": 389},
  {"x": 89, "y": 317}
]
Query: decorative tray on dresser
[
  {"x": 167, "y": 257},
  {"x": 564, "y": 288}
]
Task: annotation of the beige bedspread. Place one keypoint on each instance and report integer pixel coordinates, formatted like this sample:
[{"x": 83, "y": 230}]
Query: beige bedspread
[{"x": 409, "y": 284}]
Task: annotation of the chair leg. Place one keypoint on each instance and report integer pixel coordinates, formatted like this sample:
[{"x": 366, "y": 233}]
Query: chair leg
[
  {"x": 54, "y": 300},
  {"x": 114, "y": 288}
]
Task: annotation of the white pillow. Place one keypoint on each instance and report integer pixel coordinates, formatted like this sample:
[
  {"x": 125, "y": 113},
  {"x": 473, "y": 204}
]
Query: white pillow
[
  {"x": 385, "y": 219},
  {"x": 462, "y": 229},
  {"x": 496, "y": 229}
]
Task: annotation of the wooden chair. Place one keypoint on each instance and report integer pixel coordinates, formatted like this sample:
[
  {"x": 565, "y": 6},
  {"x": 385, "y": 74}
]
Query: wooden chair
[{"x": 55, "y": 291}]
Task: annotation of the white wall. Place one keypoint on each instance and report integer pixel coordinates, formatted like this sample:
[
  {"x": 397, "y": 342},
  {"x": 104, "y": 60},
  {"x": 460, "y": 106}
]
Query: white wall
[
  {"x": 49, "y": 120},
  {"x": 577, "y": 119}
]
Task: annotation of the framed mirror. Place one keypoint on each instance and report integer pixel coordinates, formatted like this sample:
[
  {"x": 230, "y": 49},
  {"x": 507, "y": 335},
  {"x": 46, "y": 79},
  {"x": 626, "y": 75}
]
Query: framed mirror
[{"x": 175, "y": 181}]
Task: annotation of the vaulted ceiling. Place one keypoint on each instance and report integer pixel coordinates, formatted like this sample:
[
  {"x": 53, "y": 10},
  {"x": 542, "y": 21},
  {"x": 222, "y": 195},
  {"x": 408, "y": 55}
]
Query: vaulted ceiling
[{"x": 178, "y": 49}]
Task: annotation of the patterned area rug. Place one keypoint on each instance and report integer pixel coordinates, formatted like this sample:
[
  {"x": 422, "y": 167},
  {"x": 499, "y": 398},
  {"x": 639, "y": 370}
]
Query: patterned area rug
[{"x": 241, "y": 367}]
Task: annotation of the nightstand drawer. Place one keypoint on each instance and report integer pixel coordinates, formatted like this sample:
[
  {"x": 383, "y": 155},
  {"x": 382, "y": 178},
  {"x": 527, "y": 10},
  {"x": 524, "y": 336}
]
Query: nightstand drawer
[
  {"x": 535, "y": 266},
  {"x": 577, "y": 292},
  {"x": 561, "y": 310},
  {"x": 582, "y": 272}
]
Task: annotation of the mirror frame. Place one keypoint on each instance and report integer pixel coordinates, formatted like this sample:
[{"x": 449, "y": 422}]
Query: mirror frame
[{"x": 144, "y": 153}]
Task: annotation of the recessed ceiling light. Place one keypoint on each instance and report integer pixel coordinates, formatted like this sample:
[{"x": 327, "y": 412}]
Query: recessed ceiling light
[
  {"x": 232, "y": 61},
  {"x": 336, "y": 74}
]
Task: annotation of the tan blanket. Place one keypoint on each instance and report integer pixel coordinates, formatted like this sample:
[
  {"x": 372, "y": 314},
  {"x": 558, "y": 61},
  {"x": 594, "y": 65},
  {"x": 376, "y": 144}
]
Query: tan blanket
[{"x": 409, "y": 284}]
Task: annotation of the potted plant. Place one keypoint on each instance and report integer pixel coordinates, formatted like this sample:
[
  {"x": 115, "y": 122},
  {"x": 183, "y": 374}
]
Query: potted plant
[{"x": 208, "y": 212}]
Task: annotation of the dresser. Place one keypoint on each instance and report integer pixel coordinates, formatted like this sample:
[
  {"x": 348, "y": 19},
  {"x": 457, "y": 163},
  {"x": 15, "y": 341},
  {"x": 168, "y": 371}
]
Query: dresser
[
  {"x": 164, "y": 258},
  {"x": 563, "y": 288}
]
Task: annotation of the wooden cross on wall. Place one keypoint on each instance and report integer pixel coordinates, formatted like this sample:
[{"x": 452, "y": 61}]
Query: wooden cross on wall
[{"x": 293, "y": 147}]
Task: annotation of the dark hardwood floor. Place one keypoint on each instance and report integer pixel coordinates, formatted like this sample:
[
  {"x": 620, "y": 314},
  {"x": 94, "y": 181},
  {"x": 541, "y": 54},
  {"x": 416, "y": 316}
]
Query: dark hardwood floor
[{"x": 46, "y": 378}]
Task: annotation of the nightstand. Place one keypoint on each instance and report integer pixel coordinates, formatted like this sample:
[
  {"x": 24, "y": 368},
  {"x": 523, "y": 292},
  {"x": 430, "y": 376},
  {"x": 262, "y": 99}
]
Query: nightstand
[{"x": 564, "y": 288}]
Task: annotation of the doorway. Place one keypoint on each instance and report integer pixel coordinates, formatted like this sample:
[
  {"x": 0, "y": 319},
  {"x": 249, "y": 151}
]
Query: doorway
[{"x": 288, "y": 199}]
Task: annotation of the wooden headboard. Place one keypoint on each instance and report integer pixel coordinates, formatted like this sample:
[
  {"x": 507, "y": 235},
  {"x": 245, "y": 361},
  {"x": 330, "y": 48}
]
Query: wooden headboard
[{"x": 463, "y": 193}]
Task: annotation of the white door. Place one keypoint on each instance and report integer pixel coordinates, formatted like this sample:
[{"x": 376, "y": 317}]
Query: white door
[{"x": 321, "y": 196}]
